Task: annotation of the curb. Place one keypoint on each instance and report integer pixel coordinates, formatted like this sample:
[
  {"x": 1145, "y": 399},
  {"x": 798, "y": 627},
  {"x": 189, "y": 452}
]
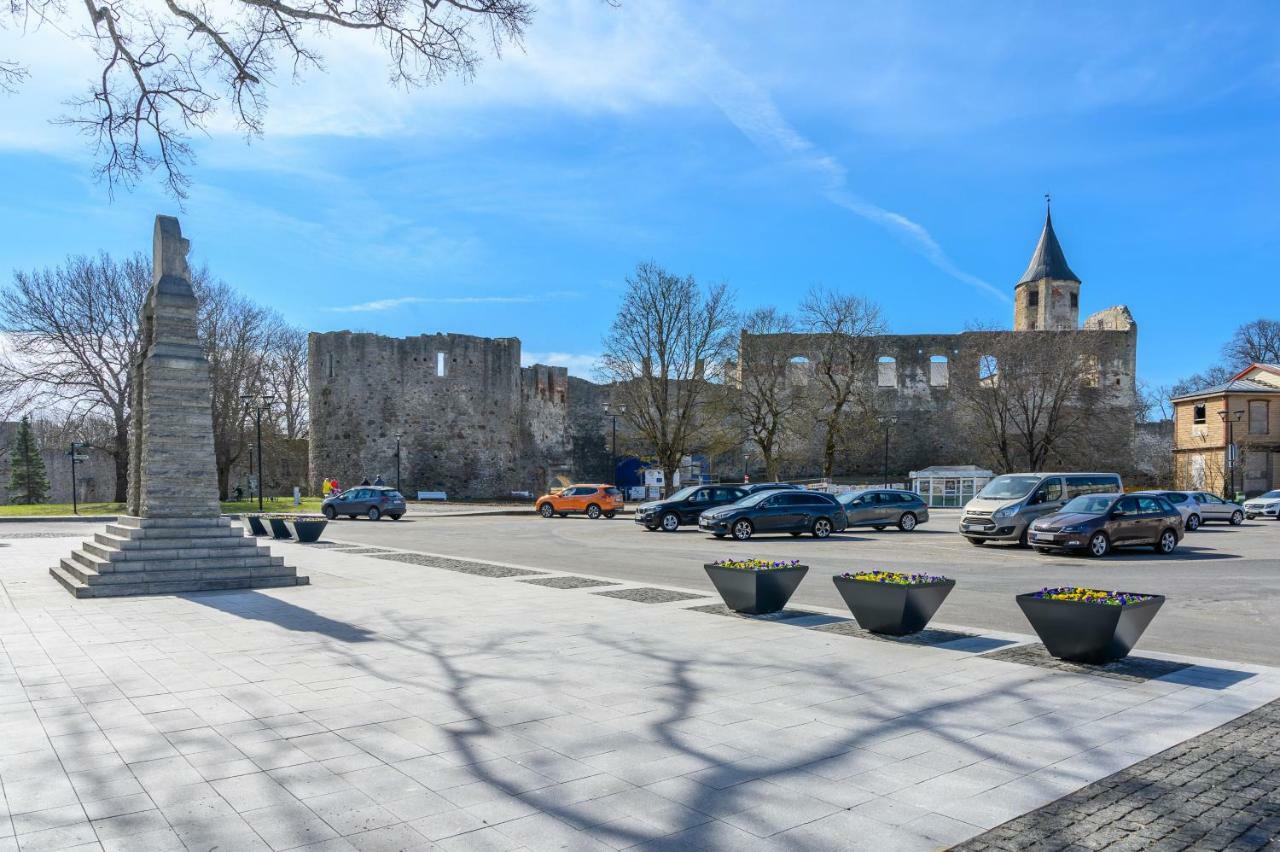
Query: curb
[{"x": 59, "y": 519}]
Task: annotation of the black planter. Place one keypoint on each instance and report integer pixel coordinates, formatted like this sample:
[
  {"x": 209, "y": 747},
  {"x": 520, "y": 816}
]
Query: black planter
[
  {"x": 892, "y": 608},
  {"x": 278, "y": 528},
  {"x": 307, "y": 530},
  {"x": 255, "y": 524},
  {"x": 756, "y": 592},
  {"x": 1088, "y": 632}
]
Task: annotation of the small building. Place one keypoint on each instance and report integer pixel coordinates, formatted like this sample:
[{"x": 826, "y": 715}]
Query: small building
[
  {"x": 1226, "y": 438},
  {"x": 949, "y": 486}
]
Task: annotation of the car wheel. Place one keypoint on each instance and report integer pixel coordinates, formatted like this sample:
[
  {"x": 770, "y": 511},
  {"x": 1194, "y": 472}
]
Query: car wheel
[
  {"x": 395, "y": 517},
  {"x": 1167, "y": 542},
  {"x": 907, "y": 522},
  {"x": 609, "y": 514},
  {"x": 742, "y": 529},
  {"x": 546, "y": 510},
  {"x": 330, "y": 512},
  {"x": 821, "y": 528},
  {"x": 1099, "y": 544},
  {"x": 670, "y": 522},
  {"x": 374, "y": 514},
  {"x": 1237, "y": 518},
  {"x": 976, "y": 542},
  {"x": 1193, "y": 523},
  {"x": 593, "y": 511}
]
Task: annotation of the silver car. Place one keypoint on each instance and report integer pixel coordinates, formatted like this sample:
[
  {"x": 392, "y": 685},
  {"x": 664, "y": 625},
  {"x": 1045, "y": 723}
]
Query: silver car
[
  {"x": 1214, "y": 508},
  {"x": 1264, "y": 505},
  {"x": 884, "y": 507},
  {"x": 1192, "y": 506}
]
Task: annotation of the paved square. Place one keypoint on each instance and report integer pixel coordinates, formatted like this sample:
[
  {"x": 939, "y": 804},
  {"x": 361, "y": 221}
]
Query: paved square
[{"x": 394, "y": 705}]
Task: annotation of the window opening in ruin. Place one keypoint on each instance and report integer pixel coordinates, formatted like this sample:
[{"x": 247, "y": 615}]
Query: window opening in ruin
[
  {"x": 1197, "y": 413},
  {"x": 329, "y": 364},
  {"x": 1075, "y": 301},
  {"x": 1090, "y": 371},
  {"x": 1259, "y": 414},
  {"x": 1033, "y": 298},
  {"x": 939, "y": 371},
  {"x": 439, "y": 363},
  {"x": 887, "y": 372},
  {"x": 988, "y": 370}
]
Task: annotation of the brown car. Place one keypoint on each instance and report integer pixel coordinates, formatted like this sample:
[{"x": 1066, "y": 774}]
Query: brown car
[
  {"x": 1096, "y": 523},
  {"x": 591, "y": 500}
]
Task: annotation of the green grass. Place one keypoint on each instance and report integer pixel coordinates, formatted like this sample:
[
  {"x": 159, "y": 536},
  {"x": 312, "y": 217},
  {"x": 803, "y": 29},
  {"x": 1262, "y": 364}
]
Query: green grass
[{"x": 270, "y": 504}]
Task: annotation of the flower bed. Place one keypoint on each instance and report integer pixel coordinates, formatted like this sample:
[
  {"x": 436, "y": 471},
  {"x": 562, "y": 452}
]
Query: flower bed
[
  {"x": 1089, "y": 625},
  {"x": 754, "y": 564},
  {"x": 892, "y": 603},
  {"x": 894, "y": 578},
  {"x": 755, "y": 586}
]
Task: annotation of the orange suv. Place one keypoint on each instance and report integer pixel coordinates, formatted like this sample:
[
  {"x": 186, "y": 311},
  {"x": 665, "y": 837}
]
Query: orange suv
[{"x": 591, "y": 500}]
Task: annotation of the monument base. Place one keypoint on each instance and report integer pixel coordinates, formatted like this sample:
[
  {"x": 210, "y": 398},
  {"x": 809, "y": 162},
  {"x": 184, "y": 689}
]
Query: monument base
[{"x": 160, "y": 556}]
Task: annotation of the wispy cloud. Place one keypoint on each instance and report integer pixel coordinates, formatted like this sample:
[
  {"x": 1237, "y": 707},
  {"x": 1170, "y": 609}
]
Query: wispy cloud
[
  {"x": 749, "y": 108},
  {"x": 400, "y": 301}
]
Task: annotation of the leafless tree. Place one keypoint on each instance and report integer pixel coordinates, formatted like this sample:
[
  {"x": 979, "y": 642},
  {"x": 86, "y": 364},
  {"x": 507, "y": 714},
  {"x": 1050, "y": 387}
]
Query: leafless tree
[
  {"x": 838, "y": 326},
  {"x": 1254, "y": 342},
  {"x": 764, "y": 393},
  {"x": 665, "y": 346},
  {"x": 1040, "y": 400},
  {"x": 73, "y": 333},
  {"x": 165, "y": 68},
  {"x": 286, "y": 380}
]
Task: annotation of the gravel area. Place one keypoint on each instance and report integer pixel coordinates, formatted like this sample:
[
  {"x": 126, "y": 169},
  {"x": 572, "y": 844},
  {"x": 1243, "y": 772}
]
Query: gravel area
[
  {"x": 569, "y": 582},
  {"x": 649, "y": 595},
  {"x": 928, "y": 636},
  {"x": 1131, "y": 668},
  {"x": 462, "y": 566}
]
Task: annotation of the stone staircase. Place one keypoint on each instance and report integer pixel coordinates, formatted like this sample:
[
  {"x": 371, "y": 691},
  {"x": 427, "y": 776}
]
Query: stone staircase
[{"x": 149, "y": 556}]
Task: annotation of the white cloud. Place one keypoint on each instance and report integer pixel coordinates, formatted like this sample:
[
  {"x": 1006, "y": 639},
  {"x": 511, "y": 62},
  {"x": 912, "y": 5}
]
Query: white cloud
[
  {"x": 400, "y": 301},
  {"x": 579, "y": 365}
]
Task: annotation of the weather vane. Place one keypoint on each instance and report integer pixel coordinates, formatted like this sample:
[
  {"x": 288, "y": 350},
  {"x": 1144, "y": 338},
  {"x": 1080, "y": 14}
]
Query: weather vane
[{"x": 1048, "y": 202}]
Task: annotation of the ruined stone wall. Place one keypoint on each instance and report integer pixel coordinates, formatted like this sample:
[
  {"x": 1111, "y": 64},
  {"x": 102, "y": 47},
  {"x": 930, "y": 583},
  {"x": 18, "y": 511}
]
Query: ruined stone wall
[{"x": 473, "y": 423}]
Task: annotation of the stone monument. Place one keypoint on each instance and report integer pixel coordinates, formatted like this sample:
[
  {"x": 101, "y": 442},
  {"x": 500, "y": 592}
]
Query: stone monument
[{"x": 174, "y": 538}]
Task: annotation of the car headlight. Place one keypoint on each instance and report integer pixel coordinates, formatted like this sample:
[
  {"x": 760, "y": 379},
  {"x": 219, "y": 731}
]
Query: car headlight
[
  {"x": 1008, "y": 512},
  {"x": 1074, "y": 528}
]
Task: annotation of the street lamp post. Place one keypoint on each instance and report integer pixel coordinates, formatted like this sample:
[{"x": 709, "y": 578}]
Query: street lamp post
[
  {"x": 1229, "y": 419},
  {"x": 398, "y": 464},
  {"x": 260, "y": 404},
  {"x": 746, "y": 457},
  {"x": 613, "y": 452},
  {"x": 888, "y": 423},
  {"x": 76, "y": 446}
]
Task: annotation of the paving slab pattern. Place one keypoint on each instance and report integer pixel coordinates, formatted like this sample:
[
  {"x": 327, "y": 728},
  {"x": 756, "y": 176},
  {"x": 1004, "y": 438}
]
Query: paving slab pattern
[
  {"x": 391, "y": 706},
  {"x": 1220, "y": 790},
  {"x": 462, "y": 566},
  {"x": 648, "y": 595},
  {"x": 569, "y": 582}
]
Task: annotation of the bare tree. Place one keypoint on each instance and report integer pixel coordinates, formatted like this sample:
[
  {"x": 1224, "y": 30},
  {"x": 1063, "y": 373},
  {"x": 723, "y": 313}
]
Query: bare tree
[
  {"x": 764, "y": 395},
  {"x": 73, "y": 339},
  {"x": 838, "y": 326},
  {"x": 666, "y": 344},
  {"x": 1253, "y": 343},
  {"x": 165, "y": 68},
  {"x": 286, "y": 380}
]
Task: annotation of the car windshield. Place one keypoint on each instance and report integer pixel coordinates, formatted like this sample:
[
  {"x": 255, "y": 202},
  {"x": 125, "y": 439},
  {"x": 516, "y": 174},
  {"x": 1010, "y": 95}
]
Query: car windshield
[
  {"x": 1271, "y": 495},
  {"x": 849, "y": 496},
  {"x": 1009, "y": 487},
  {"x": 1088, "y": 504},
  {"x": 684, "y": 493}
]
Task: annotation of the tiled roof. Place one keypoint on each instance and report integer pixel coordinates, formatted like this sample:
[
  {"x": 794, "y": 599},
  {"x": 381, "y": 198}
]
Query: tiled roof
[
  {"x": 1048, "y": 260},
  {"x": 1233, "y": 386}
]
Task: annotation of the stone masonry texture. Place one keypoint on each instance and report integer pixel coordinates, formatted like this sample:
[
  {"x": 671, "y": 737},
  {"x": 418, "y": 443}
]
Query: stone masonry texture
[{"x": 1220, "y": 790}]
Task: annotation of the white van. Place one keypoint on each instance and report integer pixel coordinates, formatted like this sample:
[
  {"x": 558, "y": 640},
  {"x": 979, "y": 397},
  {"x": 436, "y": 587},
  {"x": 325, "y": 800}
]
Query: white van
[{"x": 1005, "y": 508}]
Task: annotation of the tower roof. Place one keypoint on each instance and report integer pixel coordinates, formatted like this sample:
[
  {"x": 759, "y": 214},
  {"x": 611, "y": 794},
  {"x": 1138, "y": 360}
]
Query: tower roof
[{"x": 1048, "y": 260}]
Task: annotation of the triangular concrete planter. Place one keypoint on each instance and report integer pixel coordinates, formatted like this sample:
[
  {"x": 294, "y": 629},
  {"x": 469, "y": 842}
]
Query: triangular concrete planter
[
  {"x": 756, "y": 592},
  {"x": 1088, "y": 632},
  {"x": 892, "y": 608}
]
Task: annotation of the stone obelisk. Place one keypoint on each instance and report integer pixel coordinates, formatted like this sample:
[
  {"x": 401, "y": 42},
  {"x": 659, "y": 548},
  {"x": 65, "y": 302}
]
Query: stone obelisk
[{"x": 174, "y": 538}]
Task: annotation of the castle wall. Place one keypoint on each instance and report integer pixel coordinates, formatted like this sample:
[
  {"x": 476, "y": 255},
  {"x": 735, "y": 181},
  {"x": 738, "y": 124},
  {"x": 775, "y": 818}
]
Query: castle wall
[{"x": 472, "y": 422}]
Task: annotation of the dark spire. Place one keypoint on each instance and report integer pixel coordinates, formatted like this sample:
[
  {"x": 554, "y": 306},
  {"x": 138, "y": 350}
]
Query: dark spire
[{"x": 1048, "y": 261}]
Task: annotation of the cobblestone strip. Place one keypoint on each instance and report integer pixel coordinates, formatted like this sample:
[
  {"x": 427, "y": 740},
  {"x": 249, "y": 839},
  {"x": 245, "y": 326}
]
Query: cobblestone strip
[
  {"x": 1135, "y": 669},
  {"x": 1220, "y": 790},
  {"x": 462, "y": 566}
]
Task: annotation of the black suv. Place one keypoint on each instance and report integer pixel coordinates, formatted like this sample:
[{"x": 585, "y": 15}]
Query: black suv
[
  {"x": 792, "y": 511},
  {"x": 683, "y": 507}
]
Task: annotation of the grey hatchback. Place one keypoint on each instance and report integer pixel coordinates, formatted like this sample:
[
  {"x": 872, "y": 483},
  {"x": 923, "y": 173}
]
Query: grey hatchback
[
  {"x": 372, "y": 501},
  {"x": 1096, "y": 523},
  {"x": 884, "y": 507}
]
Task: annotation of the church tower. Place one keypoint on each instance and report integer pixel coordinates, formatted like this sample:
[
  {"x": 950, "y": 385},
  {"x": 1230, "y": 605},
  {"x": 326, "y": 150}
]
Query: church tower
[{"x": 1047, "y": 295}]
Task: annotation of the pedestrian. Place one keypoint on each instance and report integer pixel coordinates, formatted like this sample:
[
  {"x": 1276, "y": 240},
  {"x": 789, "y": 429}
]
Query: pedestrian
[
  {"x": 379, "y": 481},
  {"x": 336, "y": 489},
  {"x": 365, "y": 481},
  {"x": 326, "y": 486}
]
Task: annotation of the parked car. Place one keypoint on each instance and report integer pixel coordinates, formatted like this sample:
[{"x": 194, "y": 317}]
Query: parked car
[
  {"x": 792, "y": 511},
  {"x": 884, "y": 507},
  {"x": 683, "y": 507},
  {"x": 372, "y": 501},
  {"x": 1199, "y": 507},
  {"x": 591, "y": 500},
  {"x": 1214, "y": 508},
  {"x": 1264, "y": 505},
  {"x": 1097, "y": 523},
  {"x": 757, "y": 487},
  {"x": 1005, "y": 508}
]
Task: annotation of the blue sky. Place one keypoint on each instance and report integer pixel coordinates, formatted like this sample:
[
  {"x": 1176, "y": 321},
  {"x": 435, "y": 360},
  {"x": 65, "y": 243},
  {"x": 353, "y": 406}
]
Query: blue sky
[{"x": 899, "y": 150}]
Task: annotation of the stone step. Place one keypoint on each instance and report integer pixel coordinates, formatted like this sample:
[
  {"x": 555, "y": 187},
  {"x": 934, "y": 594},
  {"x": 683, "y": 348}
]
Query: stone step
[
  {"x": 149, "y": 523},
  {"x": 89, "y": 577},
  {"x": 100, "y": 565},
  {"x": 120, "y": 557},
  {"x": 169, "y": 587},
  {"x": 122, "y": 531},
  {"x": 225, "y": 542}
]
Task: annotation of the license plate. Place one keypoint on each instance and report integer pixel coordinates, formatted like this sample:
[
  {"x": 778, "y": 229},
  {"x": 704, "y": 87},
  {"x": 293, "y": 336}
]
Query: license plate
[{"x": 1041, "y": 537}]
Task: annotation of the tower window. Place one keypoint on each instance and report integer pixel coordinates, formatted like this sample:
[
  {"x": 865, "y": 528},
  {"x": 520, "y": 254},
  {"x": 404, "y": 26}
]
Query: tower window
[
  {"x": 439, "y": 363},
  {"x": 329, "y": 364},
  {"x": 1198, "y": 413},
  {"x": 939, "y": 371},
  {"x": 1033, "y": 298},
  {"x": 1075, "y": 301},
  {"x": 887, "y": 372}
]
